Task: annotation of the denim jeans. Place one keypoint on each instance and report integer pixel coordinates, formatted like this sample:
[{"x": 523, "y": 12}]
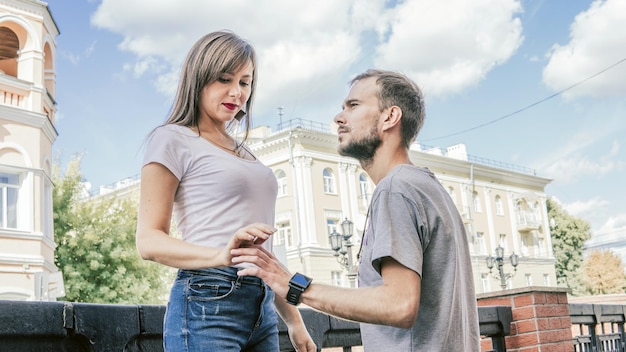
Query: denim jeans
[{"x": 215, "y": 310}]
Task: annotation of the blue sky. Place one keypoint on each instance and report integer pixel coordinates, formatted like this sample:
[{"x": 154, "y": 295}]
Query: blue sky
[{"x": 497, "y": 76}]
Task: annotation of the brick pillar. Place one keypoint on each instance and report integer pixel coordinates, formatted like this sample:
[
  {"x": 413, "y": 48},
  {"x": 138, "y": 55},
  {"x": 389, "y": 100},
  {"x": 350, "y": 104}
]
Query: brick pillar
[{"x": 541, "y": 319}]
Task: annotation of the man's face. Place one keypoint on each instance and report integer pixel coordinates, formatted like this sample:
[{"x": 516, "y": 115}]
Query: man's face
[{"x": 358, "y": 121}]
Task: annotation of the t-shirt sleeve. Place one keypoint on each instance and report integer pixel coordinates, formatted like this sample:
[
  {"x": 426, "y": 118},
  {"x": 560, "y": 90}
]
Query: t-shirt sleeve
[
  {"x": 397, "y": 231},
  {"x": 168, "y": 148}
]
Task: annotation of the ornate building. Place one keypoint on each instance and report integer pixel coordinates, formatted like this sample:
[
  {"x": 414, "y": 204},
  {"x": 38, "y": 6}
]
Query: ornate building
[
  {"x": 27, "y": 111},
  {"x": 502, "y": 206}
]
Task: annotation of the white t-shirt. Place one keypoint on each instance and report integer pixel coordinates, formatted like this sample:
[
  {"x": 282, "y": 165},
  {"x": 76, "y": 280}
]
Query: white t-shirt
[{"x": 218, "y": 193}]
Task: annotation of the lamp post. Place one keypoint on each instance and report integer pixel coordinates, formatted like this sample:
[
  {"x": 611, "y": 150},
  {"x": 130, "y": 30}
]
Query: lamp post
[
  {"x": 499, "y": 261},
  {"x": 342, "y": 245}
]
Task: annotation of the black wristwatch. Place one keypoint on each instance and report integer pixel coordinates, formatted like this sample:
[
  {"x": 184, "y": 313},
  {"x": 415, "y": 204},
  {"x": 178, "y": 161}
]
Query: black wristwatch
[{"x": 297, "y": 285}]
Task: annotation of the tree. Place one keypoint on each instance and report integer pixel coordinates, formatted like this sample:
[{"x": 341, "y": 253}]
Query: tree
[
  {"x": 568, "y": 237},
  {"x": 603, "y": 273},
  {"x": 96, "y": 246}
]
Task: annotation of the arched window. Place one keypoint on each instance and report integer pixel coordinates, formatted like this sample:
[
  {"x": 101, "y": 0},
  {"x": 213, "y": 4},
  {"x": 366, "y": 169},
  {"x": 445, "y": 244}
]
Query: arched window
[
  {"x": 329, "y": 182},
  {"x": 499, "y": 205},
  {"x": 281, "y": 178},
  {"x": 8, "y": 51}
]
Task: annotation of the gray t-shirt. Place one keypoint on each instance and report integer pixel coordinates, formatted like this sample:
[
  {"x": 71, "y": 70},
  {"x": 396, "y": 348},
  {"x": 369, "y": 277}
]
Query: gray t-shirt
[
  {"x": 218, "y": 192},
  {"x": 414, "y": 221}
]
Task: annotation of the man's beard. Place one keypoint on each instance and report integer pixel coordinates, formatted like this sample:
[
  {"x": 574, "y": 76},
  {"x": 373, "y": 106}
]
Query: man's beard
[{"x": 363, "y": 149}]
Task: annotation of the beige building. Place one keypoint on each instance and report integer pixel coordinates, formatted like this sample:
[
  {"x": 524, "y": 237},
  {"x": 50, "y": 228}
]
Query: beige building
[
  {"x": 27, "y": 108},
  {"x": 502, "y": 205}
]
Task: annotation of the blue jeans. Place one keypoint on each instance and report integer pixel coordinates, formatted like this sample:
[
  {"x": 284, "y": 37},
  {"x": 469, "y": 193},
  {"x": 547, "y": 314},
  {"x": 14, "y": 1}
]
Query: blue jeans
[{"x": 215, "y": 310}]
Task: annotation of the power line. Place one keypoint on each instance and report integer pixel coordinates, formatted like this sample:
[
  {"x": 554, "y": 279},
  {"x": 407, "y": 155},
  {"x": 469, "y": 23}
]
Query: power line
[{"x": 529, "y": 106}]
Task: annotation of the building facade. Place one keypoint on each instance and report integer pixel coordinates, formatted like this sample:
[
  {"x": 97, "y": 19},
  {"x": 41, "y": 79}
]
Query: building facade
[
  {"x": 501, "y": 205},
  {"x": 27, "y": 112}
]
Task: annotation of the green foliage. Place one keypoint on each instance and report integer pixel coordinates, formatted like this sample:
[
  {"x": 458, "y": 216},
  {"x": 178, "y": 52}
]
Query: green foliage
[
  {"x": 568, "y": 237},
  {"x": 96, "y": 247},
  {"x": 603, "y": 273}
]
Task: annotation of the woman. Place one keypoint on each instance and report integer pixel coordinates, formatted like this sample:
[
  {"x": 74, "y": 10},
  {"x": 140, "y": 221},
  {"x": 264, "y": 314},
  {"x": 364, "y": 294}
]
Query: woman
[{"x": 221, "y": 198}]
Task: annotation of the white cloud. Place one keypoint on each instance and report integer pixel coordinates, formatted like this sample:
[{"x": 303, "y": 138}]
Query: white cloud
[
  {"x": 576, "y": 166},
  {"x": 71, "y": 57},
  {"x": 612, "y": 230},
  {"x": 447, "y": 51},
  {"x": 597, "y": 41},
  {"x": 582, "y": 208},
  {"x": 309, "y": 50}
]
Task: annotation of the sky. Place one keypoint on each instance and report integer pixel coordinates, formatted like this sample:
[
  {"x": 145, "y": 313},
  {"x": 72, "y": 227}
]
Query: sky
[{"x": 535, "y": 83}]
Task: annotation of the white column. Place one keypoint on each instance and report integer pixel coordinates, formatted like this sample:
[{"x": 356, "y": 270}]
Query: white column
[
  {"x": 305, "y": 209},
  {"x": 353, "y": 208},
  {"x": 517, "y": 247},
  {"x": 489, "y": 211},
  {"x": 344, "y": 190}
]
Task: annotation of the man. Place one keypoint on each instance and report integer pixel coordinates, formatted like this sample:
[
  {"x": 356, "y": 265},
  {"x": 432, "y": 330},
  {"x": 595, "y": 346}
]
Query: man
[{"x": 416, "y": 289}]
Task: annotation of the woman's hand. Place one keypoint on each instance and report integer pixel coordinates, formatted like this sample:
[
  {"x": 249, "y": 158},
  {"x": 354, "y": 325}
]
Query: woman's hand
[
  {"x": 251, "y": 235},
  {"x": 300, "y": 339}
]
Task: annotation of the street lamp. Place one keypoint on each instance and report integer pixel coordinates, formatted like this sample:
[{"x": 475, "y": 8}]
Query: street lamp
[
  {"x": 342, "y": 245},
  {"x": 499, "y": 261}
]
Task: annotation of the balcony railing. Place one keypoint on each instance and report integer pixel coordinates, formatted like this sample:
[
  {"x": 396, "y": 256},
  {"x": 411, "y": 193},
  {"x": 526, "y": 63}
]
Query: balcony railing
[
  {"x": 13, "y": 91},
  {"x": 527, "y": 221},
  {"x": 65, "y": 326}
]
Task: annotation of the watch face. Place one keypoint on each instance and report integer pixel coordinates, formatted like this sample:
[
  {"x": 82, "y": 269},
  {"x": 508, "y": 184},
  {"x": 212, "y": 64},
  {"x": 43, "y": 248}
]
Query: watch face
[{"x": 300, "y": 279}]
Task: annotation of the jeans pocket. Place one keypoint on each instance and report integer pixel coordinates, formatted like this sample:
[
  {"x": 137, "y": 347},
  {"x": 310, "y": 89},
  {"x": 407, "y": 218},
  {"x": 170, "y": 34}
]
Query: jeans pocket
[
  {"x": 209, "y": 289},
  {"x": 209, "y": 296}
]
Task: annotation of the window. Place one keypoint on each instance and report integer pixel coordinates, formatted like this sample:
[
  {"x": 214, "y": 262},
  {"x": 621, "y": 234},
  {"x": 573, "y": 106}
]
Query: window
[
  {"x": 476, "y": 199},
  {"x": 451, "y": 193},
  {"x": 529, "y": 280},
  {"x": 503, "y": 241},
  {"x": 484, "y": 280},
  {"x": 364, "y": 188},
  {"x": 336, "y": 278},
  {"x": 480, "y": 243},
  {"x": 332, "y": 225},
  {"x": 527, "y": 242},
  {"x": 499, "y": 206},
  {"x": 329, "y": 182},
  {"x": 546, "y": 280},
  {"x": 283, "y": 236},
  {"x": 281, "y": 178},
  {"x": 9, "y": 188}
]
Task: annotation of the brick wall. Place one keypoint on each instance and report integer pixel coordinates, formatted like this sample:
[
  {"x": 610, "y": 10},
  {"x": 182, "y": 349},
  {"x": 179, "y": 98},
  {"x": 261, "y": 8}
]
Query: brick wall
[{"x": 541, "y": 319}]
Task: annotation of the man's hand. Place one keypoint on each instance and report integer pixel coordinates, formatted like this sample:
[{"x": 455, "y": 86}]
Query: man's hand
[
  {"x": 268, "y": 268},
  {"x": 251, "y": 235}
]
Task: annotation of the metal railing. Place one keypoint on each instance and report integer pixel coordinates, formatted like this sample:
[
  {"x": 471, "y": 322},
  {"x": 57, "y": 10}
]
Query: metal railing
[
  {"x": 65, "y": 326},
  {"x": 598, "y": 327}
]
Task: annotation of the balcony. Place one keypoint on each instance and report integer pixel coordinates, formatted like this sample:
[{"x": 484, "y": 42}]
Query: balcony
[
  {"x": 527, "y": 221},
  {"x": 13, "y": 91}
]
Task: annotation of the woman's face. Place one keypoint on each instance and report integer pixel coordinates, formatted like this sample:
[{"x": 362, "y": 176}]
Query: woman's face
[{"x": 221, "y": 100}]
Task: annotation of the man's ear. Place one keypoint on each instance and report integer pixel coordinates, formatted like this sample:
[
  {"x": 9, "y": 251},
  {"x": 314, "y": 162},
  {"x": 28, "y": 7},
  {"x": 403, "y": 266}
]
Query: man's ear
[{"x": 392, "y": 117}]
